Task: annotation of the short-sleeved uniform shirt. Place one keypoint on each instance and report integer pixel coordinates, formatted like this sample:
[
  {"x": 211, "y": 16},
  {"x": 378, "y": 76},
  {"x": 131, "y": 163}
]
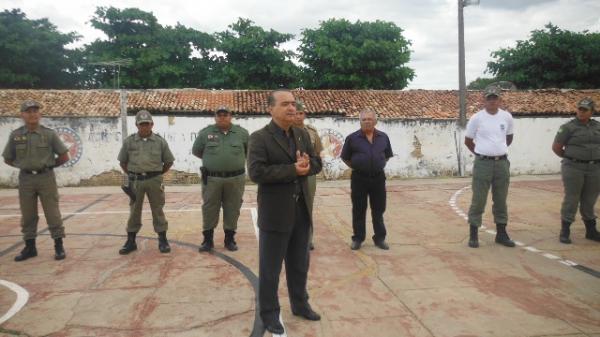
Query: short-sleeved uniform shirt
[
  {"x": 222, "y": 151},
  {"x": 364, "y": 156},
  {"x": 489, "y": 132},
  {"x": 581, "y": 141},
  {"x": 34, "y": 150},
  {"x": 145, "y": 154}
]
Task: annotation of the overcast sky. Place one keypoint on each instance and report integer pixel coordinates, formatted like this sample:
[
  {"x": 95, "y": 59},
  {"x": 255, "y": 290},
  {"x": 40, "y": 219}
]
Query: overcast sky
[{"x": 431, "y": 25}]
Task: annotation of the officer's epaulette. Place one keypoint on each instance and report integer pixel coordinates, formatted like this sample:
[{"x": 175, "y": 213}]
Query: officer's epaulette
[
  {"x": 207, "y": 127},
  {"x": 157, "y": 135},
  {"x": 19, "y": 131},
  {"x": 309, "y": 126}
]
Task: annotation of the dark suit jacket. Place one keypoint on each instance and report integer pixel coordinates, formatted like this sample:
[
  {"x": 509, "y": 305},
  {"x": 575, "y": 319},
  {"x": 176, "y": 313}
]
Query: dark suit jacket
[{"x": 271, "y": 166}]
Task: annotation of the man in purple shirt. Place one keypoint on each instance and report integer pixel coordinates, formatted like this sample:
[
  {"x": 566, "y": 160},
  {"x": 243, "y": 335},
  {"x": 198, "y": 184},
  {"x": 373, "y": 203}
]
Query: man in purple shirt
[{"x": 366, "y": 152}]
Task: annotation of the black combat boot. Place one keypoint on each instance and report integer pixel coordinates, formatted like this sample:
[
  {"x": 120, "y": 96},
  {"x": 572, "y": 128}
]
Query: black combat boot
[
  {"x": 565, "y": 232},
  {"x": 591, "y": 233},
  {"x": 28, "y": 251},
  {"x": 129, "y": 245},
  {"x": 208, "y": 243},
  {"x": 230, "y": 241},
  {"x": 502, "y": 236},
  {"x": 163, "y": 243},
  {"x": 473, "y": 237},
  {"x": 59, "y": 249}
]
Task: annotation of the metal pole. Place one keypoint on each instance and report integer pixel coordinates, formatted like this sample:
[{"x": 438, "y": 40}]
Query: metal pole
[
  {"x": 123, "y": 101},
  {"x": 461, "y": 67}
]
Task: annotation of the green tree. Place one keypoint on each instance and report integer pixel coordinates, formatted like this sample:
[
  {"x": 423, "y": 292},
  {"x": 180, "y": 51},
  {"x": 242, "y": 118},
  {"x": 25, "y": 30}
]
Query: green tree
[
  {"x": 33, "y": 53},
  {"x": 551, "y": 58},
  {"x": 253, "y": 58},
  {"x": 161, "y": 56},
  {"x": 361, "y": 55},
  {"x": 481, "y": 83}
]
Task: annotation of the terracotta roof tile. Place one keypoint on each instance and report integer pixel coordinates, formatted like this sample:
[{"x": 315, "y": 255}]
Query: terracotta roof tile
[{"x": 410, "y": 104}]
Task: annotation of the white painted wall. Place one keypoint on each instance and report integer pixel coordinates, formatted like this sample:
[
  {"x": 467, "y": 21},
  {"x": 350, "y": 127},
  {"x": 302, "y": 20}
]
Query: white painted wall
[
  {"x": 100, "y": 142},
  {"x": 421, "y": 148}
]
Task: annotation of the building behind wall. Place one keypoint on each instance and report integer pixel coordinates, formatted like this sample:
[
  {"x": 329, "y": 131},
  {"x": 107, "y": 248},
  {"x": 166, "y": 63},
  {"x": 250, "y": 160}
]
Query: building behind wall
[{"x": 422, "y": 125}]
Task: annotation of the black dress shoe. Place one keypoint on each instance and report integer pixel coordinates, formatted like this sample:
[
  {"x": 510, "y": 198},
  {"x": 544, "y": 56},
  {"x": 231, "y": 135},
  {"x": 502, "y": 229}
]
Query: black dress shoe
[
  {"x": 308, "y": 314},
  {"x": 382, "y": 245},
  {"x": 275, "y": 328},
  {"x": 355, "y": 245}
]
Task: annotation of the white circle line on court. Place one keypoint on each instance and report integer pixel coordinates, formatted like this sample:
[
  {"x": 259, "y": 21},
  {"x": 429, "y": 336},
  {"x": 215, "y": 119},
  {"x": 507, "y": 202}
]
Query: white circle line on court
[
  {"x": 532, "y": 249},
  {"x": 22, "y": 298}
]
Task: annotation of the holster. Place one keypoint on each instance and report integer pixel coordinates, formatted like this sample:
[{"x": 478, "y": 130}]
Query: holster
[
  {"x": 128, "y": 189},
  {"x": 204, "y": 171}
]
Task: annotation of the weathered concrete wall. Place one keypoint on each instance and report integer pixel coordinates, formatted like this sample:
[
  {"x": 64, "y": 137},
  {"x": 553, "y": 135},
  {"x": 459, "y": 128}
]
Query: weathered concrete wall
[
  {"x": 93, "y": 144},
  {"x": 421, "y": 148}
]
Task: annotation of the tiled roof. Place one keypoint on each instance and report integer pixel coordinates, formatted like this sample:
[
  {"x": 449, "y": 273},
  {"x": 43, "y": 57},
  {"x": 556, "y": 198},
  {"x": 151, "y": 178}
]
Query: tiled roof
[
  {"x": 62, "y": 102},
  {"x": 410, "y": 104}
]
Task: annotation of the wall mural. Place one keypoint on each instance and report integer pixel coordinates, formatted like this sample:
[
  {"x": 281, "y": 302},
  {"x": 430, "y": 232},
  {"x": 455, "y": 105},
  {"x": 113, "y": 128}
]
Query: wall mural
[
  {"x": 332, "y": 141},
  {"x": 73, "y": 142}
]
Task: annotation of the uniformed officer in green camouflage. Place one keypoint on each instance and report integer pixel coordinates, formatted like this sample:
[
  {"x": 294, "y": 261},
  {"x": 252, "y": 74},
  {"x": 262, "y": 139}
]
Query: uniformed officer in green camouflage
[
  {"x": 222, "y": 147},
  {"x": 145, "y": 157},
  {"x": 315, "y": 140},
  {"x": 578, "y": 143},
  {"x": 36, "y": 150}
]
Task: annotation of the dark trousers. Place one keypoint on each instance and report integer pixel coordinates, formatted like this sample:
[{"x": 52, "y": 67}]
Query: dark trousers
[
  {"x": 291, "y": 247},
  {"x": 373, "y": 187}
]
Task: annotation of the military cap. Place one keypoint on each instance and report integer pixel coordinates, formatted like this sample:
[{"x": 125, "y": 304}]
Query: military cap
[
  {"x": 586, "y": 103},
  {"x": 492, "y": 91},
  {"x": 143, "y": 116},
  {"x": 29, "y": 103},
  {"x": 221, "y": 109},
  {"x": 299, "y": 105}
]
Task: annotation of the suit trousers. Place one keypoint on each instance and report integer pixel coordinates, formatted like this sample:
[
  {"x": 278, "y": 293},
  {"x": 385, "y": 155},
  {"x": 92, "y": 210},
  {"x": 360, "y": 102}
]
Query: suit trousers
[
  {"x": 373, "y": 188},
  {"x": 291, "y": 247}
]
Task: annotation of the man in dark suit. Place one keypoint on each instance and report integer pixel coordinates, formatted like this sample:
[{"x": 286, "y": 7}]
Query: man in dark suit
[{"x": 280, "y": 158}]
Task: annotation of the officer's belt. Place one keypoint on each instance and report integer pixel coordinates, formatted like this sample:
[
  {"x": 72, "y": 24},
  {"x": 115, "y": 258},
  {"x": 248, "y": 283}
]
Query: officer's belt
[
  {"x": 44, "y": 170},
  {"x": 143, "y": 175},
  {"x": 491, "y": 157},
  {"x": 373, "y": 174},
  {"x": 225, "y": 174},
  {"x": 595, "y": 161}
]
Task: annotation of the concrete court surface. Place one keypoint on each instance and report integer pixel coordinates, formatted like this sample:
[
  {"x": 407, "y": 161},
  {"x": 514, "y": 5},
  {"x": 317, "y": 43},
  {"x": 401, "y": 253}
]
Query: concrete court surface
[{"x": 429, "y": 284}]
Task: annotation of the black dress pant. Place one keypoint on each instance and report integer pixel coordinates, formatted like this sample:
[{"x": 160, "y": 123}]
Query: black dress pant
[
  {"x": 291, "y": 247},
  {"x": 372, "y": 187}
]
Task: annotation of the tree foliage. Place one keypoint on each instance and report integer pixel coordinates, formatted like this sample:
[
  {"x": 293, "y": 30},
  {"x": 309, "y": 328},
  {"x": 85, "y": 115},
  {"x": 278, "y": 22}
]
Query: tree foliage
[
  {"x": 481, "y": 83},
  {"x": 161, "y": 56},
  {"x": 253, "y": 58},
  {"x": 551, "y": 58},
  {"x": 34, "y": 53},
  {"x": 361, "y": 55}
]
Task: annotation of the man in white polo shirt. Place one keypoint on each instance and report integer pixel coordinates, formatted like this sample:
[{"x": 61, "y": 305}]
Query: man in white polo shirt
[{"x": 489, "y": 133}]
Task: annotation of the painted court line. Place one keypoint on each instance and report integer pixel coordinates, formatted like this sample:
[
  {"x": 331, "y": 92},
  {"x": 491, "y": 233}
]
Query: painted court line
[
  {"x": 22, "y": 298},
  {"x": 532, "y": 249}
]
